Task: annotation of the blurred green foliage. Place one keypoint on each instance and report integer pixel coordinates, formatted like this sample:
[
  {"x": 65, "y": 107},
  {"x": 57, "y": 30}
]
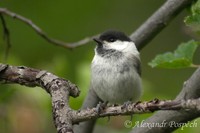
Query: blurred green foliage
[{"x": 24, "y": 109}]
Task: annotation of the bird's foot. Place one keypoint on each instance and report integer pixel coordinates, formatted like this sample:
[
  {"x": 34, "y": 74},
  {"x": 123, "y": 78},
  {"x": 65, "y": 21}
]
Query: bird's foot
[
  {"x": 125, "y": 105},
  {"x": 101, "y": 106}
]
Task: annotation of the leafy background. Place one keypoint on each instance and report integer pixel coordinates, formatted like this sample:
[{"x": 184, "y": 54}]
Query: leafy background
[{"x": 24, "y": 109}]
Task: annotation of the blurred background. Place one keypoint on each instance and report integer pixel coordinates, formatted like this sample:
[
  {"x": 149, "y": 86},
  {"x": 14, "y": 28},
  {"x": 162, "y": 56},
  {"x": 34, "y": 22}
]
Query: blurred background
[{"x": 24, "y": 109}]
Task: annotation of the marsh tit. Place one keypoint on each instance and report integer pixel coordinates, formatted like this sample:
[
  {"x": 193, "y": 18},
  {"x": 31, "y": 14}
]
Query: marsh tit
[{"x": 116, "y": 68}]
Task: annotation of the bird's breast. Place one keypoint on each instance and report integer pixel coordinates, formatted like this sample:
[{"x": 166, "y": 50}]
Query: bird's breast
[{"x": 115, "y": 81}]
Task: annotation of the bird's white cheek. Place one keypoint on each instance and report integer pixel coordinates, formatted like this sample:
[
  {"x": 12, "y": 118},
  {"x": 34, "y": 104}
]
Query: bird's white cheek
[
  {"x": 124, "y": 46},
  {"x": 118, "y": 45}
]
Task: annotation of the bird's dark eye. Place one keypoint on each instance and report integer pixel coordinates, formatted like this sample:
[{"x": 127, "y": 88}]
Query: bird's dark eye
[{"x": 112, "y": 40}]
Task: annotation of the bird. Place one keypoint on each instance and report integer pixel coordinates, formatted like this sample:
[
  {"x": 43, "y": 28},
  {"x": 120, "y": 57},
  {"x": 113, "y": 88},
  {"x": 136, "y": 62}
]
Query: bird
[{"x": 116, "y": 68}]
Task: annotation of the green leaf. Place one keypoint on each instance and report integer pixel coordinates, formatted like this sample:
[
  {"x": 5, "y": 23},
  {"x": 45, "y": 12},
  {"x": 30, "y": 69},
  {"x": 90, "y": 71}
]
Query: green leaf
[
  {"x": 180, "y": 58},
  {"x": 193, "y": 20}
]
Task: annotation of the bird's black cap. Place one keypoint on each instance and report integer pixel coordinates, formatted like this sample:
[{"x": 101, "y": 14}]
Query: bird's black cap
[{"x": 113, "y": 35}]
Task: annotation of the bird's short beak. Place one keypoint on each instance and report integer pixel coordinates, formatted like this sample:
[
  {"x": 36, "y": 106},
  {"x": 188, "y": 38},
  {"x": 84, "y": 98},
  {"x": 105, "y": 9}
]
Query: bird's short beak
[{"x": 98, "y": 41}]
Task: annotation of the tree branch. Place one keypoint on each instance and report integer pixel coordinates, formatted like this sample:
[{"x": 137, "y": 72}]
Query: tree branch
[
  {"x": 158, "y": 21},
  {"x": 58, "y": 88},
  {"x": 40, "y": 32},
  {"x": 137, "y": 108}
]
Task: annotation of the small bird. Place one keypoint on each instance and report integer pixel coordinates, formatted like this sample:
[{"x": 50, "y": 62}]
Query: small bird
[{"x": 116, "y": 68}]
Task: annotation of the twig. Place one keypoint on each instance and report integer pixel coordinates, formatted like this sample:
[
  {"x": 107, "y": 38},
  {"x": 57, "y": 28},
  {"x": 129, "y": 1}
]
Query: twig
[
  {"x": 40, "y": 32},
  {"x": 137, "y": 108},
  {"x": 6, "y": 36}
]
